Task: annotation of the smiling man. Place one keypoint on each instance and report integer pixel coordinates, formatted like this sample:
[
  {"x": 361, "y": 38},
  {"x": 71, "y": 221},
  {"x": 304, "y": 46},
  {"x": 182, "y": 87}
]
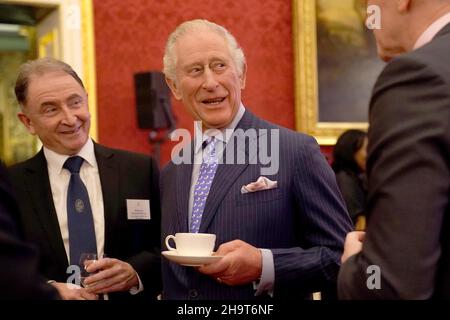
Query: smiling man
[
  {"x": 279, "y": 235},
  {"x": 77, "y": 196}
]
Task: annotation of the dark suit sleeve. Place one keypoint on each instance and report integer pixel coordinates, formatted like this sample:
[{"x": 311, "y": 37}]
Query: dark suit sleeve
[
  {"x": 409, "y": 183},
  {"x": 19, "y": 262},
  {"x": 353, "y": 193},
  {"x": 148, "y": 263},
  {"x": 324, "y": 222}
]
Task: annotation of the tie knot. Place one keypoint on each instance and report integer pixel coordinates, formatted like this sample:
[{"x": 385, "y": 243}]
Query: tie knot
[
  {"x": 73, "y": 164},
  {"x": 209, "y": 152},
  {"x": 210, "y": 140}
]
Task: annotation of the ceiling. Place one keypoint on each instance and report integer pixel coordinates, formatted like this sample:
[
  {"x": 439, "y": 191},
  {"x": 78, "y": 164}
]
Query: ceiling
[{"x": 22, "y": 14}]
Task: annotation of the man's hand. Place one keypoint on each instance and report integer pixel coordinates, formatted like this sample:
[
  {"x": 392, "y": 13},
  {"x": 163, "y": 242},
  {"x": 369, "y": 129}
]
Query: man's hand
[
  {"x": 69, "y": 291},
  {"x": 241, "y": 264},
  {"x": 353, "y": 244},
  {"x": 113, "y": 275}
]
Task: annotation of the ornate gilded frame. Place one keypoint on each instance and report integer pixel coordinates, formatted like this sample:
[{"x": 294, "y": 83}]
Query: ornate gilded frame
[
  {"x": 306, "y": 78},
  {"x": 87, "y": 29}
]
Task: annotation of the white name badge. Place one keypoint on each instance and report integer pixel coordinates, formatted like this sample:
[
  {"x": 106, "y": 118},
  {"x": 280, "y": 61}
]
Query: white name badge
[{"x": 138, "y": 209}]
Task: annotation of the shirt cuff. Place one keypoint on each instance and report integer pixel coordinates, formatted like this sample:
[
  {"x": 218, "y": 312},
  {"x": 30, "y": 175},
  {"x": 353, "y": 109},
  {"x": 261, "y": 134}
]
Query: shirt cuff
[
  {"x": 136, "y": 289},
  {"x": 266, "y": 283}
]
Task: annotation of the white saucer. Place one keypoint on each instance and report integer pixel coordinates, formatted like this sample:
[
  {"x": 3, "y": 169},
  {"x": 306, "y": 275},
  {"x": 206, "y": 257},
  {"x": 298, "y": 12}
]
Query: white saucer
[{"x": 190, "y": 261}]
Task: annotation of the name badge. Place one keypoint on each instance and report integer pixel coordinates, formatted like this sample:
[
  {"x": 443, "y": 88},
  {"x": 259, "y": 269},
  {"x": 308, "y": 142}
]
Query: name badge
[{"x": 138, "y": 209}]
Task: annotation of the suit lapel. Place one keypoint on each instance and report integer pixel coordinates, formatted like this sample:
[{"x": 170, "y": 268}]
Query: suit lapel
[
  {"x": 184, "y": 174},
  {"x": 109, "y": 179},
  {"x": 41, "y": 196},
  {"x": 227, "y": 174}
]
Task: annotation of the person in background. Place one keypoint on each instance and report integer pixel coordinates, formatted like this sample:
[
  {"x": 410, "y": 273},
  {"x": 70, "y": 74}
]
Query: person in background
[
  {"x": 349, "y": 165},
  {"x": 78, "y": 196},
  {"x": 280, "y": 232},
  {"x": 405, "y": 253},
  {"x": 19, "y": 277}
]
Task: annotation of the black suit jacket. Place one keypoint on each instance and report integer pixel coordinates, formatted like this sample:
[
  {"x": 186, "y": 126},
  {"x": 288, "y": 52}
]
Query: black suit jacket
[
  {"x": 123, "y": 175},
  {"x": 354, "y": 193},
  {"x": 303, "y": 221},
  {"x": 19, "y": 278},
  {"x": 409, "y": 180}
]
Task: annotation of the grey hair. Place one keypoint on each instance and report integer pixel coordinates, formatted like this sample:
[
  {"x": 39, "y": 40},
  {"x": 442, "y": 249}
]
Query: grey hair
[
  {"x": 170, "y": 57},
  {"x": 39, "y": 67}
]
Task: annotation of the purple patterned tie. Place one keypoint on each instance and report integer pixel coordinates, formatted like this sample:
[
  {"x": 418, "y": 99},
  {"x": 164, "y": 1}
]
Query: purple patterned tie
[{"x": 206, "y": 176}]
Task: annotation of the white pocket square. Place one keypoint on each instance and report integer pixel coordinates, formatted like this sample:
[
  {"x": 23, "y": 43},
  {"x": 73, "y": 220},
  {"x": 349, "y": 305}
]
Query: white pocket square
[{"x": 262, "y": 183}]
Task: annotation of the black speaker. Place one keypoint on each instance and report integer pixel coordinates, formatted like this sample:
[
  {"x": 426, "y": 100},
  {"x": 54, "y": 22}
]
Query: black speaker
[{"x": 153, "y": 101}]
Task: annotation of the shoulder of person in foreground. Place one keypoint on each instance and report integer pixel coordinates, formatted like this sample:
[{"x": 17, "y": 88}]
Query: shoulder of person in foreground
[
  {"x": 19, "y": 278},
  {"x": 409, "y": 180}
]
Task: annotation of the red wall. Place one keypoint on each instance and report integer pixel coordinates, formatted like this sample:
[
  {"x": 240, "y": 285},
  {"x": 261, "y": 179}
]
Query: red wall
[{"x": 130, "y": 37}]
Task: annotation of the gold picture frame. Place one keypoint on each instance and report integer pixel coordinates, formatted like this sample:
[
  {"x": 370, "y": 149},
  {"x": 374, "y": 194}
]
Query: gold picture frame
[{"x": 305, "y": 36}]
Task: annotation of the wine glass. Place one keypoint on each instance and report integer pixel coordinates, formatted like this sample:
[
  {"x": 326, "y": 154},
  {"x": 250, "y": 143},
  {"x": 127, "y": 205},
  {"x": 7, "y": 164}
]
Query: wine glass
[{"x": 86, "y": 259}]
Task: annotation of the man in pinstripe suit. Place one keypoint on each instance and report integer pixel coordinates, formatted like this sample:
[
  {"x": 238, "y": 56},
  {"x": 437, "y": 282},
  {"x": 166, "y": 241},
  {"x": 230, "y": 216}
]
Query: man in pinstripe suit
[{"x": 280, "y": 233}]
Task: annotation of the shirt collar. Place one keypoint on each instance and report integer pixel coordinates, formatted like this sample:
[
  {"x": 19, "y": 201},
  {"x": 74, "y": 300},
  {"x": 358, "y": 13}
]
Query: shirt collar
[
  {"x": 432, "y": 31},
  {"x": 226, "y": 132},
  {"x": 55, "y": 161}
]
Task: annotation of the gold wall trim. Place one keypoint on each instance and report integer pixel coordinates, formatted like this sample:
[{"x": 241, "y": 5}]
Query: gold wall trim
[
  {"x": 87, "y": 27},
  {"x": 306, "y": 78},
  {"x": 50, "y": 38}
]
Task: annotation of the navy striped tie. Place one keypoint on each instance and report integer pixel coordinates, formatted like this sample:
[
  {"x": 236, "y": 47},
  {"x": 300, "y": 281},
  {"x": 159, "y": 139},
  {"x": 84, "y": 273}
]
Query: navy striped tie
[{"x": 79, "y": 213}]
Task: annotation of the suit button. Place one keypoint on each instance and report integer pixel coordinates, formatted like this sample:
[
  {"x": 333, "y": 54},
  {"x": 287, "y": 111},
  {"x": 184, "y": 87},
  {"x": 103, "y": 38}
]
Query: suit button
[{"x": 193, "y": 294}]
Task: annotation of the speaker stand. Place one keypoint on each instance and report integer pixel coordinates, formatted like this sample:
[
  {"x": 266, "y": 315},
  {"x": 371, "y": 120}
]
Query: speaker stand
[{"x": 156, "y": 139}]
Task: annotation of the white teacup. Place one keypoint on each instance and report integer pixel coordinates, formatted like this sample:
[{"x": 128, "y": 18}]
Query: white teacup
[{"x": 192, "y": 244}]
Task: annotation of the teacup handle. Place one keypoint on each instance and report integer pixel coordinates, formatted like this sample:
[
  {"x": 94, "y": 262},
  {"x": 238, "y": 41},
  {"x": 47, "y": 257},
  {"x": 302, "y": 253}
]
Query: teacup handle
[{"x": 167, "y": 242}]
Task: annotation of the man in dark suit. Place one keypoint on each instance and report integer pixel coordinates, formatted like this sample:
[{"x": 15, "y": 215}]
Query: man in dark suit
[
  {"x": 280, "y": 224},
  {"x": 19, "y": 278},
  {"x": 122, "y": 192},
  {"x": 406, "y": 251}
]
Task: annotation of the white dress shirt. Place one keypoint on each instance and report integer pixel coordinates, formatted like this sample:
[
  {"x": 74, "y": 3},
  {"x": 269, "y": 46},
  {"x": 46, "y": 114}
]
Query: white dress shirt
[
  {"x": 432, "y": 31},
  {"x": 198, "y": 152}
]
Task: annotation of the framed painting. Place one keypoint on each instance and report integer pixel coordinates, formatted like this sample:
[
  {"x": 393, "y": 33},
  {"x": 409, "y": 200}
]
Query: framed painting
[{"x": 336, "y": 66}]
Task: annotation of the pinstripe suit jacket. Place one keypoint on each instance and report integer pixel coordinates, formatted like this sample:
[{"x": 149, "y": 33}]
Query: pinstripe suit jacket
[{"x": 303, "y": 221}]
